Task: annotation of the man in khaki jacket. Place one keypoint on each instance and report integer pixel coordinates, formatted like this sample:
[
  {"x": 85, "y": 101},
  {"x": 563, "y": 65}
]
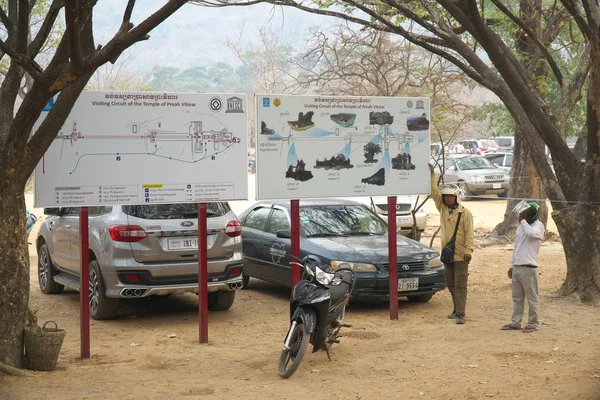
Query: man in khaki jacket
[{"x": 457, "y": 273}]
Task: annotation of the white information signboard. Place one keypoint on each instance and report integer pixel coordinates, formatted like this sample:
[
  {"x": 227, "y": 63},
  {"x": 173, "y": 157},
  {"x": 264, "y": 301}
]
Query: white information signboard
[
  {"x": 144, "y": 147},
  {"x": 312, "y": 146}
]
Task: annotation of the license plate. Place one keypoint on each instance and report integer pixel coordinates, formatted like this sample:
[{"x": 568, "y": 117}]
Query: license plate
[
  {"x": 182, "y": 244},
  {"x": 407, "y": 284},
  {"x": 496, "y": 185},
  {"x": 404, "y": 220}
]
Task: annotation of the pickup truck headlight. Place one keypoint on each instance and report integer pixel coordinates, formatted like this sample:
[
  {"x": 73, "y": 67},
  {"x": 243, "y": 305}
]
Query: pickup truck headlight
[
  {"x": 435, "y": 262},
  {"x": 477, "y": 179},
  {"x": 356, "y": 267},
  {"x": 506, "y": 178}
]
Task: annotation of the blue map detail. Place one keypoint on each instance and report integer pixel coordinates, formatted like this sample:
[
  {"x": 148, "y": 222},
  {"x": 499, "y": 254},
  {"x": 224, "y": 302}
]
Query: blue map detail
[
  {"x": 406, "y": 148},
  {"x": 347, "y": 149},
  {"x": 386, "y": 163},
  {"x": 275, "y": 136},
  {"x": 316, "y": 132},
  {"x": 292, "y": 158},
  {"x": 421, "y": 136}
]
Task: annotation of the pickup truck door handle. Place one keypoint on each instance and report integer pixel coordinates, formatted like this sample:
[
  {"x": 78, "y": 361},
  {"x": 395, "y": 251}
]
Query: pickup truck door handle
[{"x": 67, "y": 226}]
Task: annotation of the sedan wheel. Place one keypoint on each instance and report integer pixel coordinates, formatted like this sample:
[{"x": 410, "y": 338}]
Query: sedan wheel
[{"x": 464, "y": 193}]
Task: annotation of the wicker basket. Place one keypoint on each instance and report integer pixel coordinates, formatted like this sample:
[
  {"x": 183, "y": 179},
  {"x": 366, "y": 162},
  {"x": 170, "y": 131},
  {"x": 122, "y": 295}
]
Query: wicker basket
[{"x": 42, "y": 346}]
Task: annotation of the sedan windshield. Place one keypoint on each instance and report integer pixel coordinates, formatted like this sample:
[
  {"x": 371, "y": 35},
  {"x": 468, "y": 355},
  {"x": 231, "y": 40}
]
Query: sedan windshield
[
  {"x": 468, "y": 163},
  {"x": 339, "y": 220}
]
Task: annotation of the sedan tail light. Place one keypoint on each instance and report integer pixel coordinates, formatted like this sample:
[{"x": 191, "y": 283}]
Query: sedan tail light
[
  {"x": 126, "y": 233},
  {"x": 233, "y": 228}
]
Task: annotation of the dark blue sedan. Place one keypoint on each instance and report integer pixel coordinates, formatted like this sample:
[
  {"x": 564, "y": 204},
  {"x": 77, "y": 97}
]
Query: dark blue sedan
[{"x": 339, "y": 233}]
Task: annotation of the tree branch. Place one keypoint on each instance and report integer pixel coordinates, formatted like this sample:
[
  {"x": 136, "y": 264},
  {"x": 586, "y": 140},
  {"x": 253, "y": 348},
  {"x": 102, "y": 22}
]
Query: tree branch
[
  {"x": 32, "y": 68},
  {"x": 44, "y": 31},
  {"x": 574, "y": 10},
  {"x": 121, "y": 41},
  {"x": 572, "y": 94},
  {"x": 22, "y": 27},
  {"x": 6, "y": 21},
  {"x": 73, "y": 26},
  {"x": 7, "y": 369},
  {"x": 521, "y": 24}
]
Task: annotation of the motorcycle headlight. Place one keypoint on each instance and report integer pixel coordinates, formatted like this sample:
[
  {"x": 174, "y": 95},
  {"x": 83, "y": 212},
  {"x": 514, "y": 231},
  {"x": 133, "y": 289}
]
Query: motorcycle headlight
[
  {"x": 477, "y": 179},
  {"x": 435, "y": 262},
  {"x": 356, "y": 267},
  {"x": 324, "y": 278}
]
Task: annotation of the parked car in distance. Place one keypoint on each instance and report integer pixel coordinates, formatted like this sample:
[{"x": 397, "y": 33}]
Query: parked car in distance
[
  {"x": 141, "y": 250},
  {"x": 404, "y": 217},
  {"x": 340, "y": 233},
  {"x": 483, "y": 145},
  {"x": 473, "y": 174},
  {"x": 502, "y": 159},
  {"x": 505, "y": 143}
]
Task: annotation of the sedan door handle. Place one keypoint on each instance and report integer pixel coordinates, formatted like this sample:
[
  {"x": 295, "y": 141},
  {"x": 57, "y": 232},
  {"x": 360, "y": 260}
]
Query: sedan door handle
[{"x": 67, "y": 226}]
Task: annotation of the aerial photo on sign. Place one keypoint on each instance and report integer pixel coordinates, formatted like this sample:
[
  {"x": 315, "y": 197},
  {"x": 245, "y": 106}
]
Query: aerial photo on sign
[
  {"x": 144, "y": 147},
  {"x": 313, "y": 146}
]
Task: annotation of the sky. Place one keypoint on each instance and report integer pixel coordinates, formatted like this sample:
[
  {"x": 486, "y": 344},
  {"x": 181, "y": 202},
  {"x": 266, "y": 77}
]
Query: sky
[{"x": 197, "y": 35}]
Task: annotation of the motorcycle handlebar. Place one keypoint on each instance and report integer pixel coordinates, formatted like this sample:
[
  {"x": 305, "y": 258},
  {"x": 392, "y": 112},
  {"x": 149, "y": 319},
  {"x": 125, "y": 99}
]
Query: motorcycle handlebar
[{"x": 293, "y": 257}]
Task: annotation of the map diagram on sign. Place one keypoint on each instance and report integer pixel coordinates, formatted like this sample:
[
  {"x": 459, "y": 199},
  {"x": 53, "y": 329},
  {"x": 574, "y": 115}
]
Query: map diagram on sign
[
  {"x": 148, "y": 139},
  {"x": 145, "y": 147},
  {"x": 336, "y": 146}
]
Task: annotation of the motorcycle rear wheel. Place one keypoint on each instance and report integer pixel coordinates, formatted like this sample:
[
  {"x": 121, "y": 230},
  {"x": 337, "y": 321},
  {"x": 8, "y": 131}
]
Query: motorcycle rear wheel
[{"x": 290, "y": 359}]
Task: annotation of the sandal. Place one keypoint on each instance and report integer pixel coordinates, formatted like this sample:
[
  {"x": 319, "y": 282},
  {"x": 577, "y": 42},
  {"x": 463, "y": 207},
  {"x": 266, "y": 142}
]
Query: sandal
[
  {"x": 529, "y": 329},
  {"x": 511, "y": 327}
]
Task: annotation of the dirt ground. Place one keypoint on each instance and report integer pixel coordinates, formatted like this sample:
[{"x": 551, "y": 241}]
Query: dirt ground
[{"x": 152, "y": 350}]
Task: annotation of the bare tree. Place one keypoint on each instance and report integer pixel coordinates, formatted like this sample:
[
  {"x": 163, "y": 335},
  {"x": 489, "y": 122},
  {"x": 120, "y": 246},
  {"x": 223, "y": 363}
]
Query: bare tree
[
  {"x": 120, "y": 76},
  {"x": 268, "y": 61},
  {"x": 467, "y": 33},
  {"x": 75, "y": 60},
  {"x": 358, "y": 62}
]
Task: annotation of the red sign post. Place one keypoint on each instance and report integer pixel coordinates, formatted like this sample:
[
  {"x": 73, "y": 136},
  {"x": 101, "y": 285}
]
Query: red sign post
[
  {"x": 202, "y": 274},
  {"x": 295, "y": 215},
  {"x": 84, "y": 282},
  {"x": 393, "y": 257}
]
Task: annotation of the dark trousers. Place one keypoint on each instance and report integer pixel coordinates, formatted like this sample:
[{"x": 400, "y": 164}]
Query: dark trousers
[{"x": 456, "y": 281}]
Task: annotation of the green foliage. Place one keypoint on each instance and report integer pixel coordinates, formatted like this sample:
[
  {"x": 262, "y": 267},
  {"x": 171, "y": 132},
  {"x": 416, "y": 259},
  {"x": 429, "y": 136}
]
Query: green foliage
[{"x": 219, "y": 77}]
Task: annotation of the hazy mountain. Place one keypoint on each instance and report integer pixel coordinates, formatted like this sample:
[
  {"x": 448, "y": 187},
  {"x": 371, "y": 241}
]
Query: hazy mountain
[{"x": 196, "y": 35}]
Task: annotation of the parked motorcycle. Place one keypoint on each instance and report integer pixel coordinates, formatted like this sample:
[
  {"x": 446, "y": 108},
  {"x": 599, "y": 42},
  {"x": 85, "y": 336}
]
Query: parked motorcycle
[{"x": 317, "y": 309}]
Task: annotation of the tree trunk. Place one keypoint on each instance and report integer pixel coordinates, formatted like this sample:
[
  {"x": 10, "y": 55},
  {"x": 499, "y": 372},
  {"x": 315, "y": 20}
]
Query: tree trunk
[
  {"x": 14, "y": 270},
  {"x": 524, "y": 181},
  {"x": 582, "y": 251},
  {"x": 524, "y": 184}
]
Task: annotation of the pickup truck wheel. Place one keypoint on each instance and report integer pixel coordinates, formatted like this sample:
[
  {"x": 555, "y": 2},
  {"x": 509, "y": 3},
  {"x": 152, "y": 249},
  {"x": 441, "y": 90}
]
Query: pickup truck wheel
[
  {"x": 503, "y": 194},
  {"x": 245, "y": 281},
  {"x": 420, "y": 298},
  {"x": 46, "y": 272},
  {"x": 101, "y": 307},
  {"x": 220, "y": 300}
]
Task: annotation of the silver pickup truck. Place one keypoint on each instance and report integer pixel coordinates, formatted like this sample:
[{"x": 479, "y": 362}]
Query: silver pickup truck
[{"x": 141, "y": 250}]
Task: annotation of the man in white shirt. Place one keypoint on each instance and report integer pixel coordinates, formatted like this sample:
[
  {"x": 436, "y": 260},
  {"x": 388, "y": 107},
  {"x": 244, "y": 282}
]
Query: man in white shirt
[{"x": 524, "y": 266}]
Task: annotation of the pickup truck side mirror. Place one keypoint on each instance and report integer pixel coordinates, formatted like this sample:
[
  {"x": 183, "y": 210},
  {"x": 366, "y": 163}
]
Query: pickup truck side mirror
[{"x": 284, "y": 234}]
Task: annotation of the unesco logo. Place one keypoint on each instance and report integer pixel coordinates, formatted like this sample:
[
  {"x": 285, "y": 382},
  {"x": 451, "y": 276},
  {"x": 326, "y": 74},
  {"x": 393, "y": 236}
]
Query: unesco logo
[{"x": 216, "y": 104}]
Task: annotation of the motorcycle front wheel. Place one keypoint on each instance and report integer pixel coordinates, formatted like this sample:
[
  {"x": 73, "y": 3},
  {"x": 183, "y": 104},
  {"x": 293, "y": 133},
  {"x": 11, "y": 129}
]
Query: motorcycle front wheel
[{"x": 290, "y": 359}]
